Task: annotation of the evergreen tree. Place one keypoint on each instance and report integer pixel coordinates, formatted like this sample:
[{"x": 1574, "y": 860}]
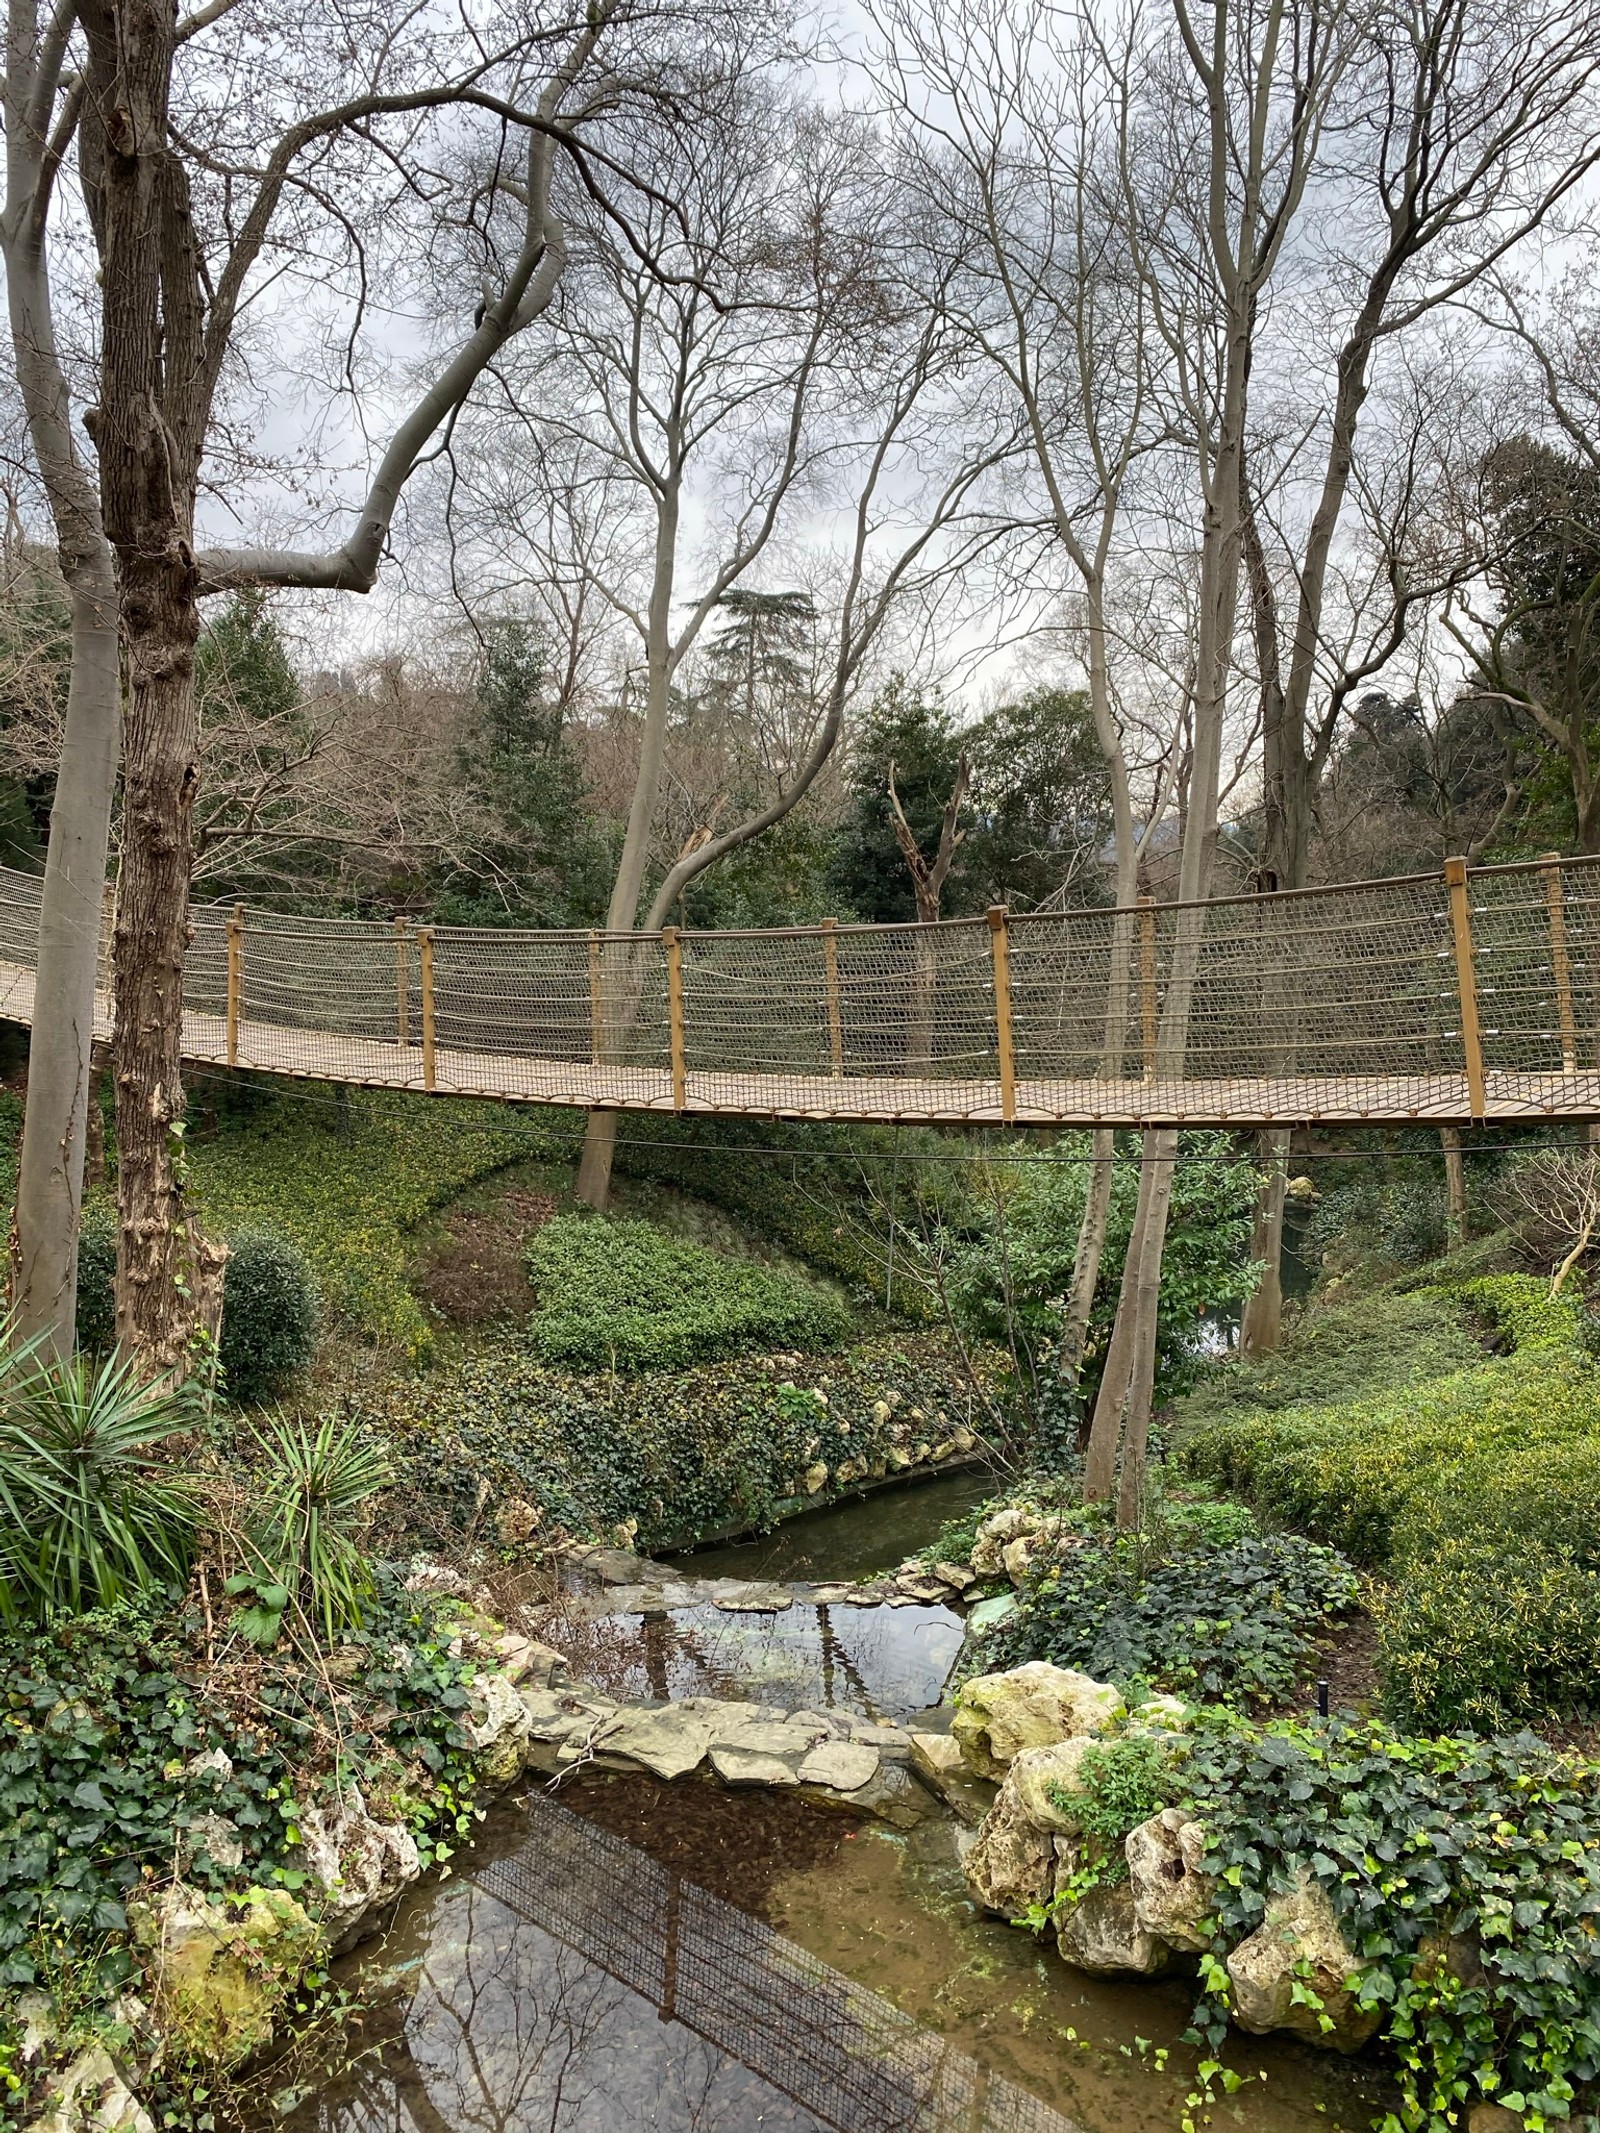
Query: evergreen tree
[
  {"x": 539, "y": 859},
  {"x": 911, "y": 729},
  {"x": 1041, "y": 803}
]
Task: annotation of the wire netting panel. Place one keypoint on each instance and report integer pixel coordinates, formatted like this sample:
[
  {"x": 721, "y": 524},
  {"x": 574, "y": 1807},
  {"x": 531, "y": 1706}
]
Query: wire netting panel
[{"x": 1342, "y": 1003}]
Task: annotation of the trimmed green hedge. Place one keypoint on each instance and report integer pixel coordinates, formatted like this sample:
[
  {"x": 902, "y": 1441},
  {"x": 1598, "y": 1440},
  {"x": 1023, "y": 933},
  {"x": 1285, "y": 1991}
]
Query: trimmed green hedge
[
  {"x": 622, "y": 1295},
  {"x": 1472, "y": 1488},
  {"x": 685, "y": 1454}
]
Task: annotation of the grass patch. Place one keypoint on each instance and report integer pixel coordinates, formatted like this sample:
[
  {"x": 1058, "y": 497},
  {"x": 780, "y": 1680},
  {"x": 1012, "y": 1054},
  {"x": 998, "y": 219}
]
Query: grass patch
[
  {"x": 350, "y": 1181},
  {"x": 620, "y": 1295}
]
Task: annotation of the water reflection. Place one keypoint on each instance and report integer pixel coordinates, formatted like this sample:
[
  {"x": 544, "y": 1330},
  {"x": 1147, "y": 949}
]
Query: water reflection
[
  {"x": 878, "y": 1662},
  {"x": 576, "y": 1986}
]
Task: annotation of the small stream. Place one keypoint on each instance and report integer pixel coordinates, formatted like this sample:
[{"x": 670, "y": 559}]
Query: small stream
[{"x": 618, "y": 1955}]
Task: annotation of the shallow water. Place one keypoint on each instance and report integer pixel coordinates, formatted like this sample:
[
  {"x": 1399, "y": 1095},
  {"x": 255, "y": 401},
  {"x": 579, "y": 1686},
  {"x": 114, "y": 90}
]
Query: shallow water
[
  {"x": 878, "y": 1662},
  {"x": 634, "y": 1958},
  {"x": 848, "y": 1540},
  {"x": 619, "y": 1955}
]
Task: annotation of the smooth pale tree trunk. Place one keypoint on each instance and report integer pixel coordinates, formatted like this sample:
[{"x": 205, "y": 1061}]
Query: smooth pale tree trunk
[
  {"x": 1096, "y": 1217},
  {"x": 44, "y": 1233},
  {"x": 1262, "y": 1321},
  {"x": 1455, "y": 1179},
  {"x": 1091, "y": 1250},
  {"x": 55, "y": 1125},
  {"x": 622, "y": 913}
]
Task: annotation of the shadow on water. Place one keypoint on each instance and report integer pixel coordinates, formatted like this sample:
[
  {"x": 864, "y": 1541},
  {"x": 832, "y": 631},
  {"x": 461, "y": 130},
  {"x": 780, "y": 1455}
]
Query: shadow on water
[{"x": 573, "y": 1981}]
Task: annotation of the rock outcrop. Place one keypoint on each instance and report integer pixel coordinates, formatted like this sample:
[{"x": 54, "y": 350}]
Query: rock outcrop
[
  {"x": 1171, "y": 1895},
  {"x": 1010, "y": 1864},
  {"x": 1101, "y": 1932},
  {"x": 91, "y": 2094},
  {"x": 217, "y": 1969},
  {"x": 1030, "y": 1706},
  {"x": 358, "y": 1863},
  {"x": 1300, "y": 1941}
]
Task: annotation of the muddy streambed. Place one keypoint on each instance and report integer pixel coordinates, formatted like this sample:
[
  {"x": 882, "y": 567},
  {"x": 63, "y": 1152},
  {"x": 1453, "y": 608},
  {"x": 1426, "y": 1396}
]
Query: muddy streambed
[{"x": 616, "y": 1953}]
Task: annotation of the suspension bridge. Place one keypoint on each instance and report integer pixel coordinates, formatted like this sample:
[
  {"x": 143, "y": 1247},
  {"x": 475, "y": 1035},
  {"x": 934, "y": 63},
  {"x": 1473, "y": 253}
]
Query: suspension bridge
[{"x": 1463, "y": 994}]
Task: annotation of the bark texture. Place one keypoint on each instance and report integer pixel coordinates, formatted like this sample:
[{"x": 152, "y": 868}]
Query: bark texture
[{"x": 148, "y": 431}]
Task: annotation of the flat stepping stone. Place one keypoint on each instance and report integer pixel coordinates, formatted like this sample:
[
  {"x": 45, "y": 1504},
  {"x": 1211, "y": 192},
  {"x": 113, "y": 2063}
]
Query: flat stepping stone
[
  {"x": 863, "y": 1595},
  {"x": 883, "y": 1738},
  {"x": 928, "y": 1591},
  {"x": 660, "y": 1599},
  {"x": 779, "y": 1739},
  {"x": 746, "y": 1766},
  {"x": 834, "y": 1596},
  {"x": 842, "y": 1765},
  {"x": 739, "y": 1599},
  {"x": 960, "y": 1575},
  {"x": 669, "y": 1742}
]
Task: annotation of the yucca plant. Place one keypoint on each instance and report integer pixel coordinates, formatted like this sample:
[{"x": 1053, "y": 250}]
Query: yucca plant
[
  {"x": 304, "y": 1556},
  {"x": 86, "y": 1514}
]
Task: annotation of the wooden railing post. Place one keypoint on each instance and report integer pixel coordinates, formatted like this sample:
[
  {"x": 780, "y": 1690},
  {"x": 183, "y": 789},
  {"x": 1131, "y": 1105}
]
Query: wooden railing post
[
  {"x": 1455, "y": 876},
  {"x": 675, "y": 1037},
  {"x": 1147, "y": 984},
  {"x": 108, "y": 935},
  {"x": 1000, "y": 950},
  {"x": 1560, "y": 961},
  {"x": 235, "y": 981},
  {"x": 425, "y": 946},
  {"x": 596, "y": 1015},
  {"x": 402, "y": 983},
  {"x": 830, "y": 966}
]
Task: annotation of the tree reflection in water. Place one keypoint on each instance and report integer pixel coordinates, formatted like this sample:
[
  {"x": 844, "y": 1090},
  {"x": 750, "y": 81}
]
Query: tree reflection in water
[{"x": 578, "y": 1987}]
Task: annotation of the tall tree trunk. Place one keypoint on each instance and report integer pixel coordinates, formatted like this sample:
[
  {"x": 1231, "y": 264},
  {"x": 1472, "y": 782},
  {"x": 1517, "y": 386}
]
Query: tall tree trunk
[
  {"x": 1455, "y": 1177},
  {"x": 44, "y": 1237},
  {"x": 55, "y": 1125},
  {"x": 622, "y": 913},
  {"x": 1262, "y": 1319},
  {"x": 148, "y": 436}
]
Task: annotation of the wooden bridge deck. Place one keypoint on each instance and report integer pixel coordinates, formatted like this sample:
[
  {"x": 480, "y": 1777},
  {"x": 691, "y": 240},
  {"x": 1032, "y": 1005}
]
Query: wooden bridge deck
[{"x": 1240, "y": 1100}]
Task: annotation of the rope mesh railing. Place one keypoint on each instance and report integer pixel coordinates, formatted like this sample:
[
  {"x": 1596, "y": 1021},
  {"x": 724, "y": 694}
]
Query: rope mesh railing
[{"x": 1468, "y": 993}]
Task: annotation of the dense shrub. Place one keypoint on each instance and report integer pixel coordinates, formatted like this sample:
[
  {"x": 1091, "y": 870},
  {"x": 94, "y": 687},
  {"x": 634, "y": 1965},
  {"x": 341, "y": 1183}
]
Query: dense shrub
[
  {"x": 269, "y": 1306},
  {"x": 1472, "y": 1489},
  {"x": 686, "y": 1454},
  {"x": 1431, "y": 1852},
  {"x": 269, "y": 1315},
  {"x": 1342, "y": 1351},
  {"x": 621, "y": 1295},
  {"x": 1235, "y": 1621},
  {"x": 851, "y": 1200}
]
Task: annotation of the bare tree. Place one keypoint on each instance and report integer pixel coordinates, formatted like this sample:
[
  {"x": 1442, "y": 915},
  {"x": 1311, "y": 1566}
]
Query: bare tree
[
  {"x": 1251, "y": 92},
  {"x": 190, "y": 225}
]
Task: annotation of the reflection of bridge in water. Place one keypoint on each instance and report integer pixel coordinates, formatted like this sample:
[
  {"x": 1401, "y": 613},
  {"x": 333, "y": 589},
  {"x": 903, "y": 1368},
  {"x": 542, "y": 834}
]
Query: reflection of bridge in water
[
  {"x": 851, "y": 2060},
  {"x": 1466, "y": 994}
]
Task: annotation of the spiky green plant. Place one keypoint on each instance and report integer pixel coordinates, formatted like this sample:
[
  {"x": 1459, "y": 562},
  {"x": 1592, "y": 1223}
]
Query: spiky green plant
[
  {"x": 86, "y": 1514},
  {"x": 302, "y": 1542}
]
